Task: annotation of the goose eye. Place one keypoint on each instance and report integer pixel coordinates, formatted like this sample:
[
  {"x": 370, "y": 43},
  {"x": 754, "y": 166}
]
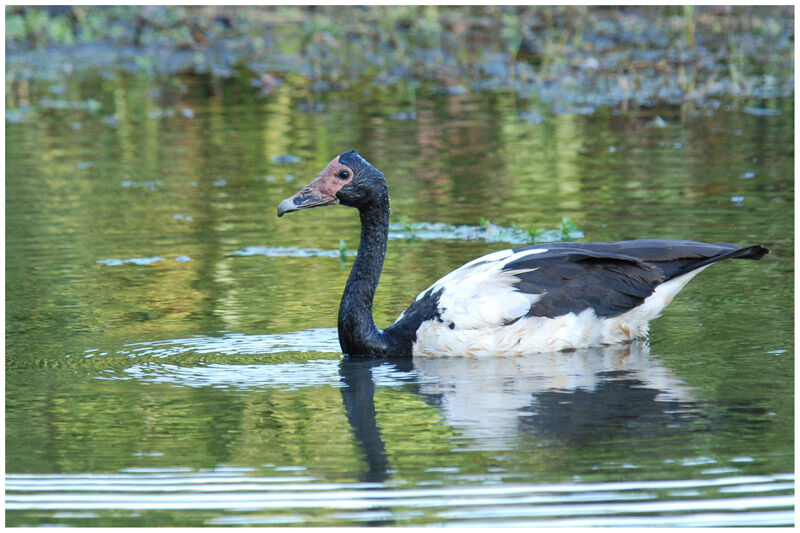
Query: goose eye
[{"x": 343, "y": 174}]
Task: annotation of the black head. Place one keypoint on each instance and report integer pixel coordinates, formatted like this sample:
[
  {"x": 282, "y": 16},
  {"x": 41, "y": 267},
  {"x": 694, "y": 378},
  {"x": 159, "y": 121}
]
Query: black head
[{"x": 348, "y": 179}]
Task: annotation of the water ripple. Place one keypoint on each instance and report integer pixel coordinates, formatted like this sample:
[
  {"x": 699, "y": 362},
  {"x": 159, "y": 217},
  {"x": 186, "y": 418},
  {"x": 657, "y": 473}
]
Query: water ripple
[
  {"x": 285, "y": 376},
  {"x": 281, "y": 376},
  {"x": 307, "y": 340},
  {"x": 578, "y": 504}
]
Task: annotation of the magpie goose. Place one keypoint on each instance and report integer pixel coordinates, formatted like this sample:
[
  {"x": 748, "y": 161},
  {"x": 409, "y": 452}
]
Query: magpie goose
[{"x": 532, "y": 299}]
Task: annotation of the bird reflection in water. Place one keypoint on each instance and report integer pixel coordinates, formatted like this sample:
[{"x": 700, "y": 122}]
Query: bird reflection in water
[{"x": 493, "y": 402}]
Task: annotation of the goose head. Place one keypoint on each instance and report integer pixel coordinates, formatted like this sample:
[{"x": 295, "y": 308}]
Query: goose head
[{"x": 349, "y": 179}]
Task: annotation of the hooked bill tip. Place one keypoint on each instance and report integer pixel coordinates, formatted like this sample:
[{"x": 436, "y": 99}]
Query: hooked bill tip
[{"x": 286, "y": 206}]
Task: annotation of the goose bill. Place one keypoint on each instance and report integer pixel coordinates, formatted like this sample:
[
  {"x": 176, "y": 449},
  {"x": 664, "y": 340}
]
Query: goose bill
[{"x": 305, "y": 199}]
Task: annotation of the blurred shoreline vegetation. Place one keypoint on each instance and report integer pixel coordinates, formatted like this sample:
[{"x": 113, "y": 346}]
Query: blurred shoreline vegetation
[{"x": 571, "y": 58}]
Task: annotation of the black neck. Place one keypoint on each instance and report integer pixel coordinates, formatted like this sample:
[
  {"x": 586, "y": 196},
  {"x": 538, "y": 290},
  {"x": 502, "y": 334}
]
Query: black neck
[{"x": 358, "y": 334}]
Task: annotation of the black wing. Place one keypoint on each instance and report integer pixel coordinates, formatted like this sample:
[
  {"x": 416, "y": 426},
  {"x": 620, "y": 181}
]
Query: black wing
[{"x": 612, "y": 277}]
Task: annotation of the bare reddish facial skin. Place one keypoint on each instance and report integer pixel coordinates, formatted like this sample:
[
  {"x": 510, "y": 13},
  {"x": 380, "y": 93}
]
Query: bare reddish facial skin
[
  {"x": 323, "y": 189},
  {"x": 328, "y": 182}
]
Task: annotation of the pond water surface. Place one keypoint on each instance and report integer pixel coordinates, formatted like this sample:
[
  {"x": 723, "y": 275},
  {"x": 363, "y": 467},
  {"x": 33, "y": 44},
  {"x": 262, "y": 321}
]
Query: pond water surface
[{"x": 171, "y": 357}]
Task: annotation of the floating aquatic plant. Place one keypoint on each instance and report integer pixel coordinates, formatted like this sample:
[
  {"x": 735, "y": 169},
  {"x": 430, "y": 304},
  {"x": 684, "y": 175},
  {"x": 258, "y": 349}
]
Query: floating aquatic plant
[
  {"x": 404, "y": 229},
  {"x": 485, "y": 231},
  {"x": 406, "y": 224}
]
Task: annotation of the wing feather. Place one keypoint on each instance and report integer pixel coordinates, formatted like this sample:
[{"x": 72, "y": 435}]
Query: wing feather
[{"x": 553, "y": 280}]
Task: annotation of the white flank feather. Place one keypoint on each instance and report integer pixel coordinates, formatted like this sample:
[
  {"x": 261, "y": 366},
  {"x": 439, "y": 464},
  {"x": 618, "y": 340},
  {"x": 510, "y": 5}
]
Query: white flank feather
[
  {"x": 481, "y": 295},
  {"x": 480, "y": 303}
]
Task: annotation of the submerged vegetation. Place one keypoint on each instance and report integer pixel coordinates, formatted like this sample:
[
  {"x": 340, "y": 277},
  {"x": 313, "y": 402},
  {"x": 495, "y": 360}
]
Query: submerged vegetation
[{"x": 572, "y": 58}]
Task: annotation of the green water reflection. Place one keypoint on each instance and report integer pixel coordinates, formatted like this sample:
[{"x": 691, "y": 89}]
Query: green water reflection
[{"x": 193, "y": 190}]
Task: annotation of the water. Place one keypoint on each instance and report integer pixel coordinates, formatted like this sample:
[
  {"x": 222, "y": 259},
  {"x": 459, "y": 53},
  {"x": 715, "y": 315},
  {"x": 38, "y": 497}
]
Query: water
[{"x": 171, "y": 357}]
